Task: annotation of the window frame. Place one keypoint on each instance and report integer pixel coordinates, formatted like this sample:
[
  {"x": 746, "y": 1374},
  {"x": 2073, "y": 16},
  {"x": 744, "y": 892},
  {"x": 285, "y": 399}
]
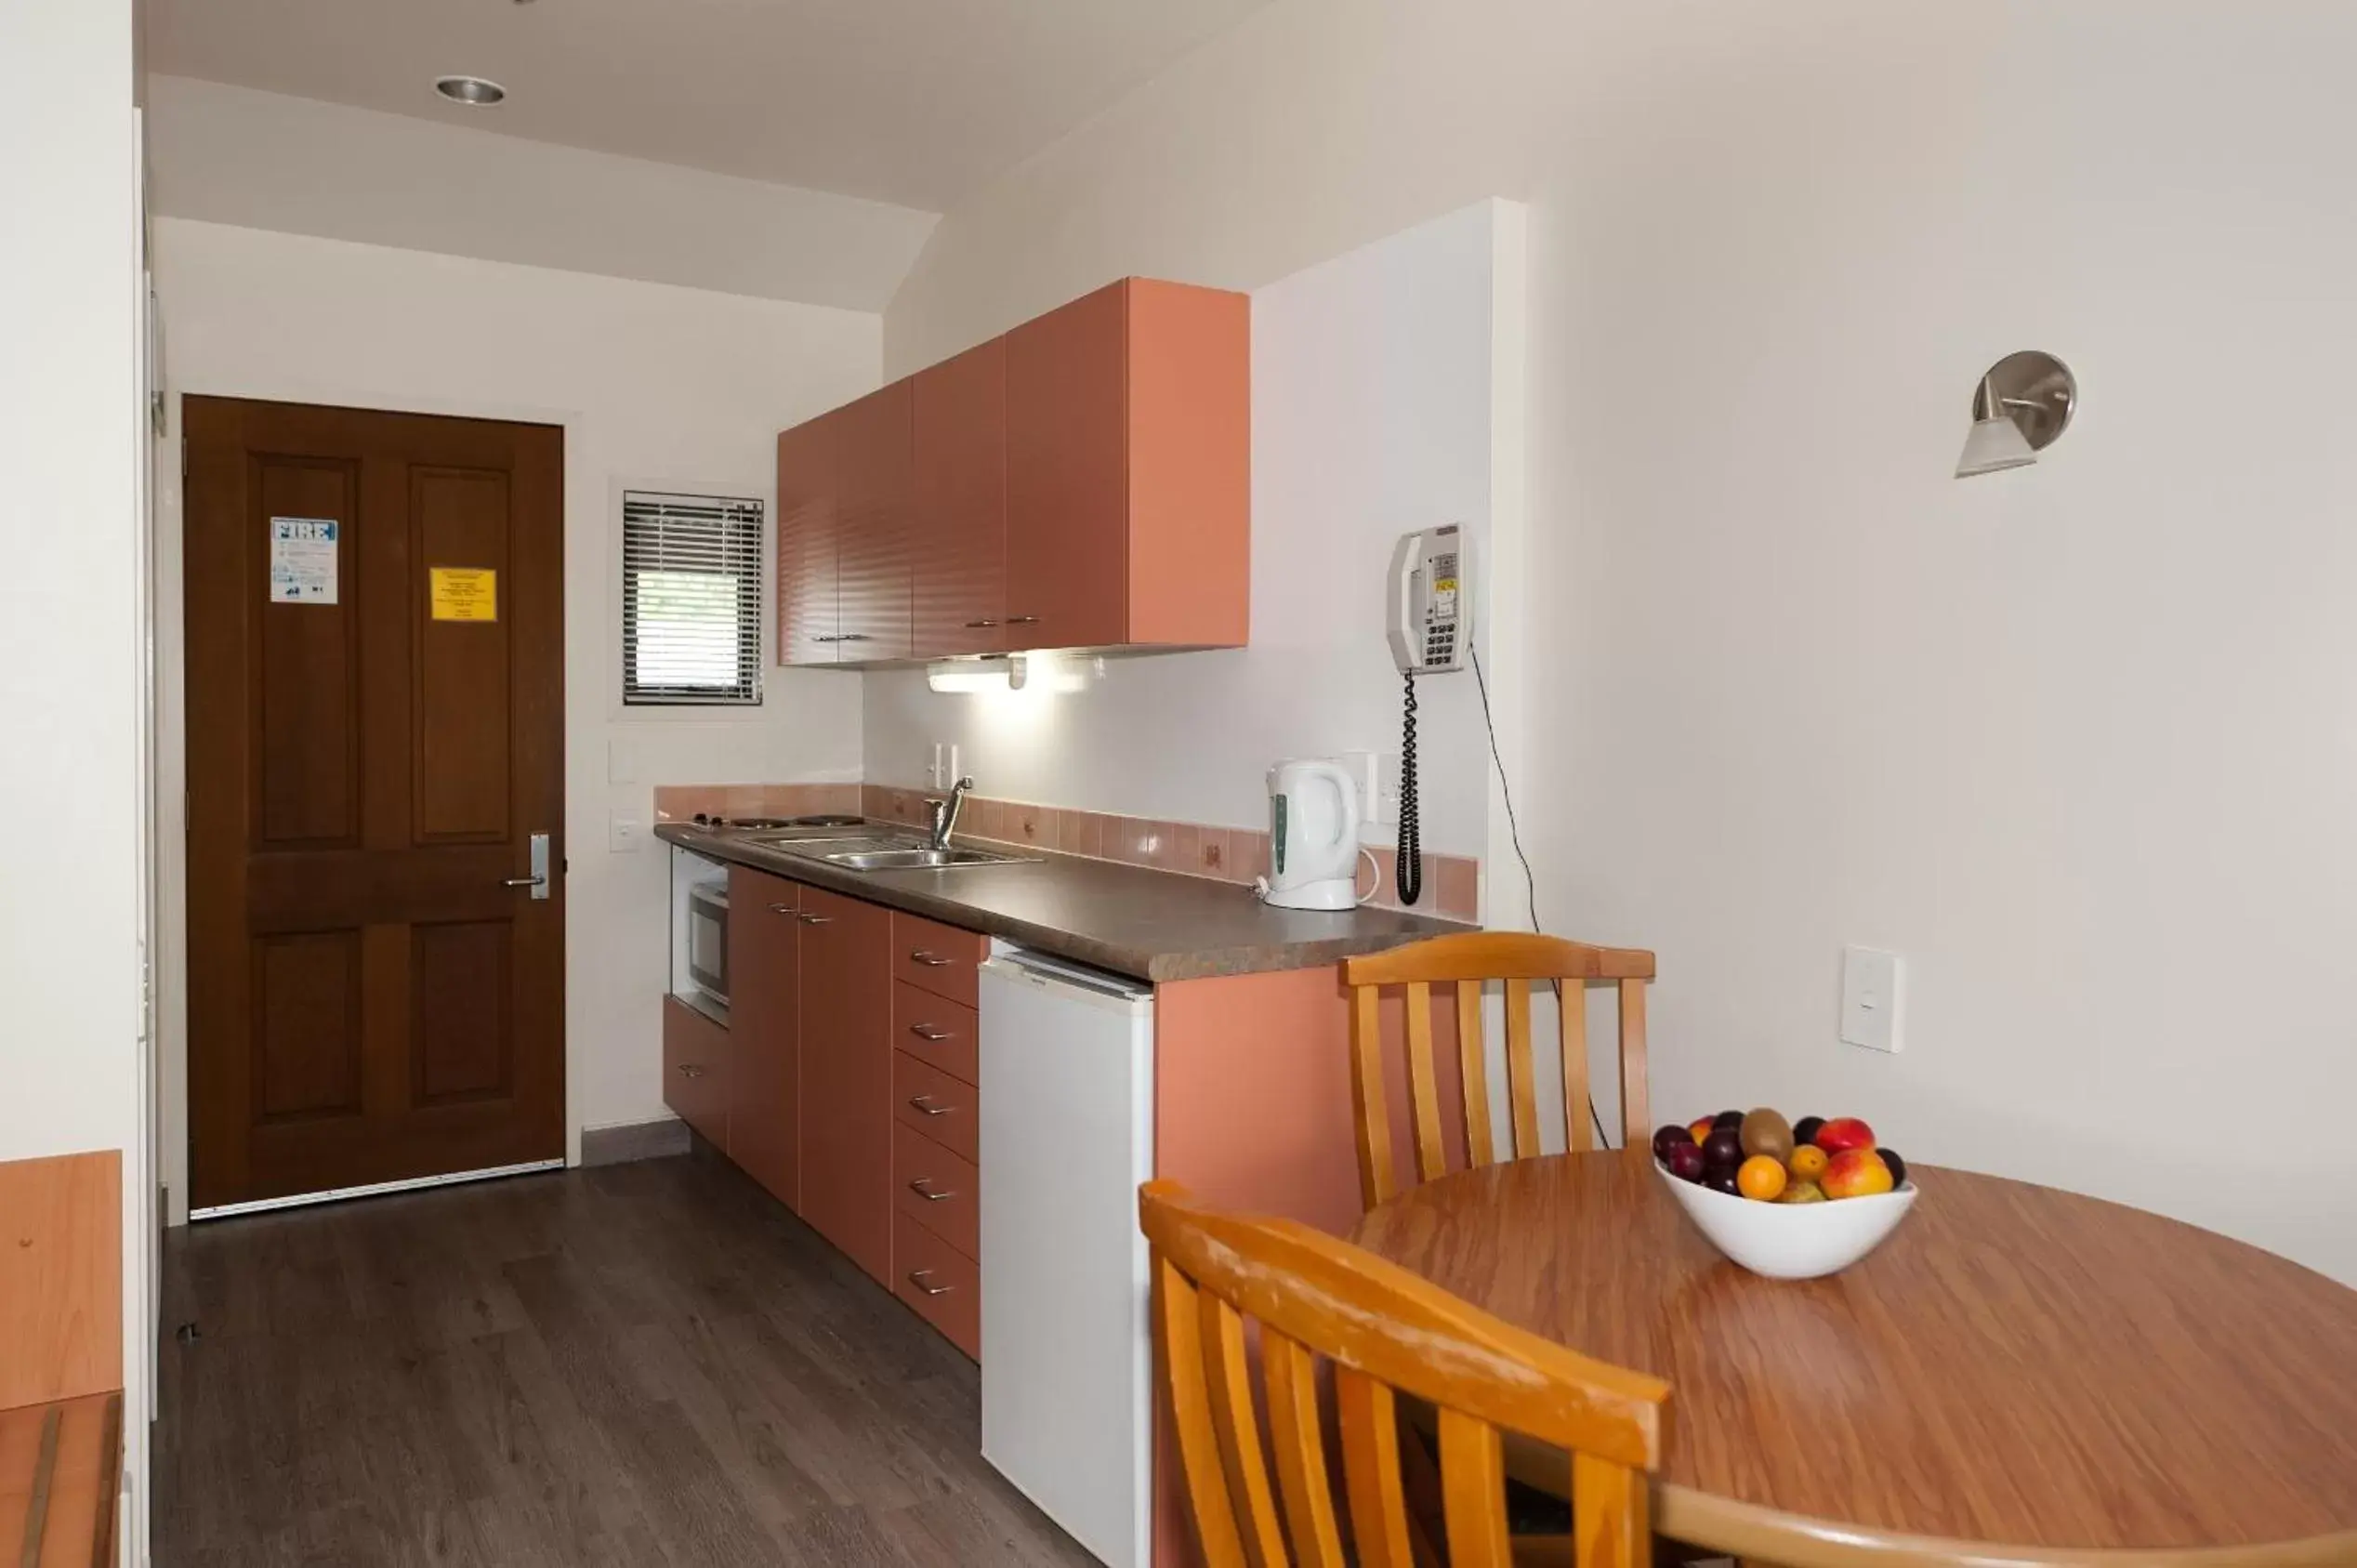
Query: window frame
[{"x": 750, "y": 638}]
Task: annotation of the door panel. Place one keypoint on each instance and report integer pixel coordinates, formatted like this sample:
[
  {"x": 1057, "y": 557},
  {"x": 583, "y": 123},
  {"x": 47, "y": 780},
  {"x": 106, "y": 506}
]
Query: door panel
[
  {"x": 808, "y": 541},
  {"x": 847, "y": 1076},
  {"x": 367, "y": 1001},
  {"x": 764, "y": 1026},
  {"x": 876, "y": 492},
  {"x": 1067, "y": 475},
  {"x": 961, "y": 505}
]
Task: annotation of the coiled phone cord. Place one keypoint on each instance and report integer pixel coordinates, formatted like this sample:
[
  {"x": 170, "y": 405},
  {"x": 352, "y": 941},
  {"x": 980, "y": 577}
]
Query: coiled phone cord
[{"x": 1409, "y": 870}]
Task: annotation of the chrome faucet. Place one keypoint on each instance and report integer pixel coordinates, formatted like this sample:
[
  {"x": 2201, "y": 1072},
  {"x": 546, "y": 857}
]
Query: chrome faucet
[{"x": 945, "y": 811}]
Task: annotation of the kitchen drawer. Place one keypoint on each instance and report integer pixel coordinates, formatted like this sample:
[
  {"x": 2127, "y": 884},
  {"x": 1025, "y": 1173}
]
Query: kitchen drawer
[
  {"x": 940, "y": 1283},
  {"x": 695, "y": 1070},
  {"x": 937, "y": 958},
  {"x": 938, "y": 1031},
  {"x": 947, "y": 1114},
  {"x": 938, "y": 1189}
]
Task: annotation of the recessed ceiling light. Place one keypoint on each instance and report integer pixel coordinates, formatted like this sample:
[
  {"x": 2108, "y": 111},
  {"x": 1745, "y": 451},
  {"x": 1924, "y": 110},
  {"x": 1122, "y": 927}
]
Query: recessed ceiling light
[{"x": 471, "y": 90}]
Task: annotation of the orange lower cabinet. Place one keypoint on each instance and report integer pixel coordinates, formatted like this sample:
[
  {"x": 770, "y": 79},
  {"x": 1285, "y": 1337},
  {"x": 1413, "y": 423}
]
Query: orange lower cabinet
[
  {"x": 695, "y": 1070},
  {"x": 939, "y": 1190},
  {"x": 941, "y": 1283}
]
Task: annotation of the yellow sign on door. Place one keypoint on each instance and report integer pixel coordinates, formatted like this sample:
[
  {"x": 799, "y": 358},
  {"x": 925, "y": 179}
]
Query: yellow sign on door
[{"x": 466, "y": 593}]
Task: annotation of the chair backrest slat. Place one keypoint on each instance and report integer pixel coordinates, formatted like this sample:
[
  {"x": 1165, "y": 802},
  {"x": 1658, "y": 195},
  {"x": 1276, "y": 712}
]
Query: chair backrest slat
[
  {"x": 1424, "y": 1092},
  {"x": 1289, "y": 1374},
  {"x": 1521, "y": 1074},
  {"x": 1228, "y": 1379},
  {"x": 1473, "y": 1492},
  {"x": 1467, "y": 962},
  {"x": 1371, "y": 1467},
  {"x": 1473, "y": 1067},
  {"x": 1385, "y": 1333}
]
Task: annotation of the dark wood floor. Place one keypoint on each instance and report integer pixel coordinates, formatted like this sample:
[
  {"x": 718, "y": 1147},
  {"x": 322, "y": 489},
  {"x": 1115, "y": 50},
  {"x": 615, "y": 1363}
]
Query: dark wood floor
[{"x": 638, "y": 1365}]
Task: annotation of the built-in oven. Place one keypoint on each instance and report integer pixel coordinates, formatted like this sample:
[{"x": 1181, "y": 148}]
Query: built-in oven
[{"x": 708, "y": 938}]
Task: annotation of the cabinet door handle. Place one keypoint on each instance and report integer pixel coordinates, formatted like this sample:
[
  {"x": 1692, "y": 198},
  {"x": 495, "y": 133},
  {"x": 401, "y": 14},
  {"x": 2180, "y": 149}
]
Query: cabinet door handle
[
  {"x": 922, "y": 1105},
  {"x": 816, "y": 919},
  {"x": 826, "y": 639},
  {"x": 917, "y": 1278},
  {"x": 931, "y": 960},
  {"x": 690, "y": 1069},
  {"x": 981, "y": 625},
  {"x": 1023, "y": 620},
  {"x": 927, "y": 1031},
  {"x": 923, "y": 1187},
  {"x": 781, "y": 909},
  {"x": 855, "y": 636}
]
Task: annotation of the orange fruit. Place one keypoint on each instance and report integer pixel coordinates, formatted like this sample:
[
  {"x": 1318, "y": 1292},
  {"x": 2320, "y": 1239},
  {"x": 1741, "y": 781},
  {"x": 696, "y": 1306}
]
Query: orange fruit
[
  {"x": 1807, "y": 1163},
  {"x": 1701, "y": 1129},
  {"x": 1761, "y": 1178}
]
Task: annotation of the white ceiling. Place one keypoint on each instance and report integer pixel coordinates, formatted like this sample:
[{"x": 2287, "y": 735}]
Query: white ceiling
[{"x": 909, "y": 101}]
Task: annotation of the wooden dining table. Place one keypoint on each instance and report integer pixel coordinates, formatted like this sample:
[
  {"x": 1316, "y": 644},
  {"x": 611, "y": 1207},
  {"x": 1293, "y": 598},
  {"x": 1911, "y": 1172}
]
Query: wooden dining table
[{"x": 2017, "y": 1376}]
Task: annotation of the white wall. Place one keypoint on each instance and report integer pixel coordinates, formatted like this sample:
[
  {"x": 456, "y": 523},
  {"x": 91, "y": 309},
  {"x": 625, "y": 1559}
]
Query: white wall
[
  {"x": 262, "y": 160},
  {"x": 2076, "y": 740},
  {"x": 71, "y": 1069},
  {"x": 1371, "y": 415},
  {"x": 656, "y": 387}
]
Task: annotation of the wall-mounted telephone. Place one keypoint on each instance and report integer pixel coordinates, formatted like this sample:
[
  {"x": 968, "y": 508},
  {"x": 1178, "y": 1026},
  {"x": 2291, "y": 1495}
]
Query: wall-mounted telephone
[{"x": 1430, "y": 598}]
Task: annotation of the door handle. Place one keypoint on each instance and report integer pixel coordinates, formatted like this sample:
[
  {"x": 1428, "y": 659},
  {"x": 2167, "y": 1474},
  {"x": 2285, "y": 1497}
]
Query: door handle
[
  {"x": 917, "y": 1278},
  {"x": 931, "y": 960},
  {"x": 690, "y": 1069},
  {"x": 538, "y": 880},
  {"x": 816, "y": 919},
  {"x": 923, "y": 1187},
  {"x": 922, "y": 1105},
  {"x": 927, "y": 1031},
  {"x": 981, "y": 625},
  {"x": 781, "y": 909},
  {"x": 1023, "y": 620}
]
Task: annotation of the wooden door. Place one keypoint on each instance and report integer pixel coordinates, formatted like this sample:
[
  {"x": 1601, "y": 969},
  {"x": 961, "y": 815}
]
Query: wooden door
[
  {"x": 1067, "y": 475},
  {"x": 372, "y": 743},
  {"x": 807, "y": 542},
  {"x": 764, "y": 1026},
  {"x": 961, "y": 505},
  {"x": 876, "y": 486},
  {"x": 847, "y": 1076}
]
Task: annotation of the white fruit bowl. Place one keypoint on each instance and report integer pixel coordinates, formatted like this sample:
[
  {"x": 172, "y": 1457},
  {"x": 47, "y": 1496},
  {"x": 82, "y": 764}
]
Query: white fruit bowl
[{"x": 1790, "y": 1240}]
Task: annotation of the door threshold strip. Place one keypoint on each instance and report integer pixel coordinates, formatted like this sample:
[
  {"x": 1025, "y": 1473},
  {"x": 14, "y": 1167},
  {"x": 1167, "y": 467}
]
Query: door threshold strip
[{"x": 223, "y": 1211}]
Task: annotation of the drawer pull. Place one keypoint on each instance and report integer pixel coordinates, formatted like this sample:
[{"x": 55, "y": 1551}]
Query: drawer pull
[
  {"x": 917, "y": 1278},
  {"x": 690, "y": 1069},
  {"x": 816, "y": 919},
  {"x": 1023, "y": 620},
  {"x": 927, "y": 1031},
  {"x": 931, "y": 960},
  {"x": 923, "y": 1104},
  {"x": 981, "y": 625},
  {"x": 781, "y": 909},
  {"x": 923, "y": 1187}
]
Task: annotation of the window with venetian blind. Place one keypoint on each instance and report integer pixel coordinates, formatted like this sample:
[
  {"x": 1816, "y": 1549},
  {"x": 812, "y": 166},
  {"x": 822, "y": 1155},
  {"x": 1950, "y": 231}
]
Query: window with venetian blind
[{"x": 691, "y": 598}]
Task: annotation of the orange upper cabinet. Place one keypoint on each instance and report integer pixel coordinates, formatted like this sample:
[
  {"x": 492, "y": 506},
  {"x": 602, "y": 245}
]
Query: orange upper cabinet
[
  {"x": 961, "y": 504},
  {"x": 1129, "y": 470},
  {"x": 807, "y": 542},
  {"x": 1085, "y": 481},
  {"x": 875, "y": 502}
]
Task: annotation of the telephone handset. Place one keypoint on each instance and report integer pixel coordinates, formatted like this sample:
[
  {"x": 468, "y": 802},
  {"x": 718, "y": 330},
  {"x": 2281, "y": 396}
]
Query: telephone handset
[{"x": 1427, "y": 635}]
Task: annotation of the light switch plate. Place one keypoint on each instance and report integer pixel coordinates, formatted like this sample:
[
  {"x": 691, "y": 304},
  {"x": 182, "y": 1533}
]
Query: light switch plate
[
  {"x": 624, "y": 833},
  {"x": 1871, "y": 998}
]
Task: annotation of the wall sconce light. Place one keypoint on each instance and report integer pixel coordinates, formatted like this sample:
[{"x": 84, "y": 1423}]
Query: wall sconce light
[{"x": 2024, "y": 404}]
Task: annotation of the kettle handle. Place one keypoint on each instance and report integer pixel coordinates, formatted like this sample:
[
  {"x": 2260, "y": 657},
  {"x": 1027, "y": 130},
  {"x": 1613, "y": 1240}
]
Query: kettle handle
[{"x": 1347, "y": 820}]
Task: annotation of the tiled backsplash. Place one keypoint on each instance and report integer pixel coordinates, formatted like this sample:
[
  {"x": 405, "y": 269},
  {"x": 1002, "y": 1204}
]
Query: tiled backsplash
[{"x": 1452, "y": 883}]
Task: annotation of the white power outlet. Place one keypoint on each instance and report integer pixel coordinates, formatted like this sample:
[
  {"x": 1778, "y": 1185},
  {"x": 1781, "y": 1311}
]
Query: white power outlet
[
  {"x": 1871, "y": 995},
  {"x": 624, "y": 833}
]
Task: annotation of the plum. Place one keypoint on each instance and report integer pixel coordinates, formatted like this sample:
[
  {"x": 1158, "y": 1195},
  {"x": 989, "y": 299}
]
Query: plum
[
  {"x": 1685, "y": 1161},
  {"x": 1668, "y": 1137},
  {"x": 1723, "y": 1150}
]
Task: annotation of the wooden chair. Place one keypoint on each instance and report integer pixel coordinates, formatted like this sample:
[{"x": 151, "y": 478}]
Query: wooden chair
[
  {"x": 1465, "y": 962},
  {"x": 1385, "y": 1333}
]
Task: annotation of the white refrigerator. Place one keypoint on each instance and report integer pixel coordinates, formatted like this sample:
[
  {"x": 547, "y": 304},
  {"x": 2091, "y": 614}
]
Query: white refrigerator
[{"x": 1067, "y": 1128}]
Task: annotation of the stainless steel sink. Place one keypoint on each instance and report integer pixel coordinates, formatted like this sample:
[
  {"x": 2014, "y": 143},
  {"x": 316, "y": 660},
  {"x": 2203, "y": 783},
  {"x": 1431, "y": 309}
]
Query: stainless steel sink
[{"x": 914, "y": 859}]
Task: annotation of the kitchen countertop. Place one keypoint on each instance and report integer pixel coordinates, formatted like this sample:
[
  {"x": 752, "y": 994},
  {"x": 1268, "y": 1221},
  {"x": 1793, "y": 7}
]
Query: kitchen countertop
[{"x": 1153, "y": 925}]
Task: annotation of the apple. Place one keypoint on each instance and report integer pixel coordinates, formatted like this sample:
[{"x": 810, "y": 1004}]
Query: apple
[
  {"x": 1844, "y": 1133},
  {"x": 1856, "y": 1173}
]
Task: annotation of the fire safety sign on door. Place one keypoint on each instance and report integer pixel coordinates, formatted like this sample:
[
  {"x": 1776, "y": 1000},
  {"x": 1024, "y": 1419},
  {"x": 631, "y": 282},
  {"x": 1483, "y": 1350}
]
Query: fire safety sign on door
[{"x": 302, "y": 560}]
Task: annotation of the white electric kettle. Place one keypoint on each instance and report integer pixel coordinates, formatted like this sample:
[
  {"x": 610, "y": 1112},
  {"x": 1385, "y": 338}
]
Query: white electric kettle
[{"x": 1314, "y": 838}]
